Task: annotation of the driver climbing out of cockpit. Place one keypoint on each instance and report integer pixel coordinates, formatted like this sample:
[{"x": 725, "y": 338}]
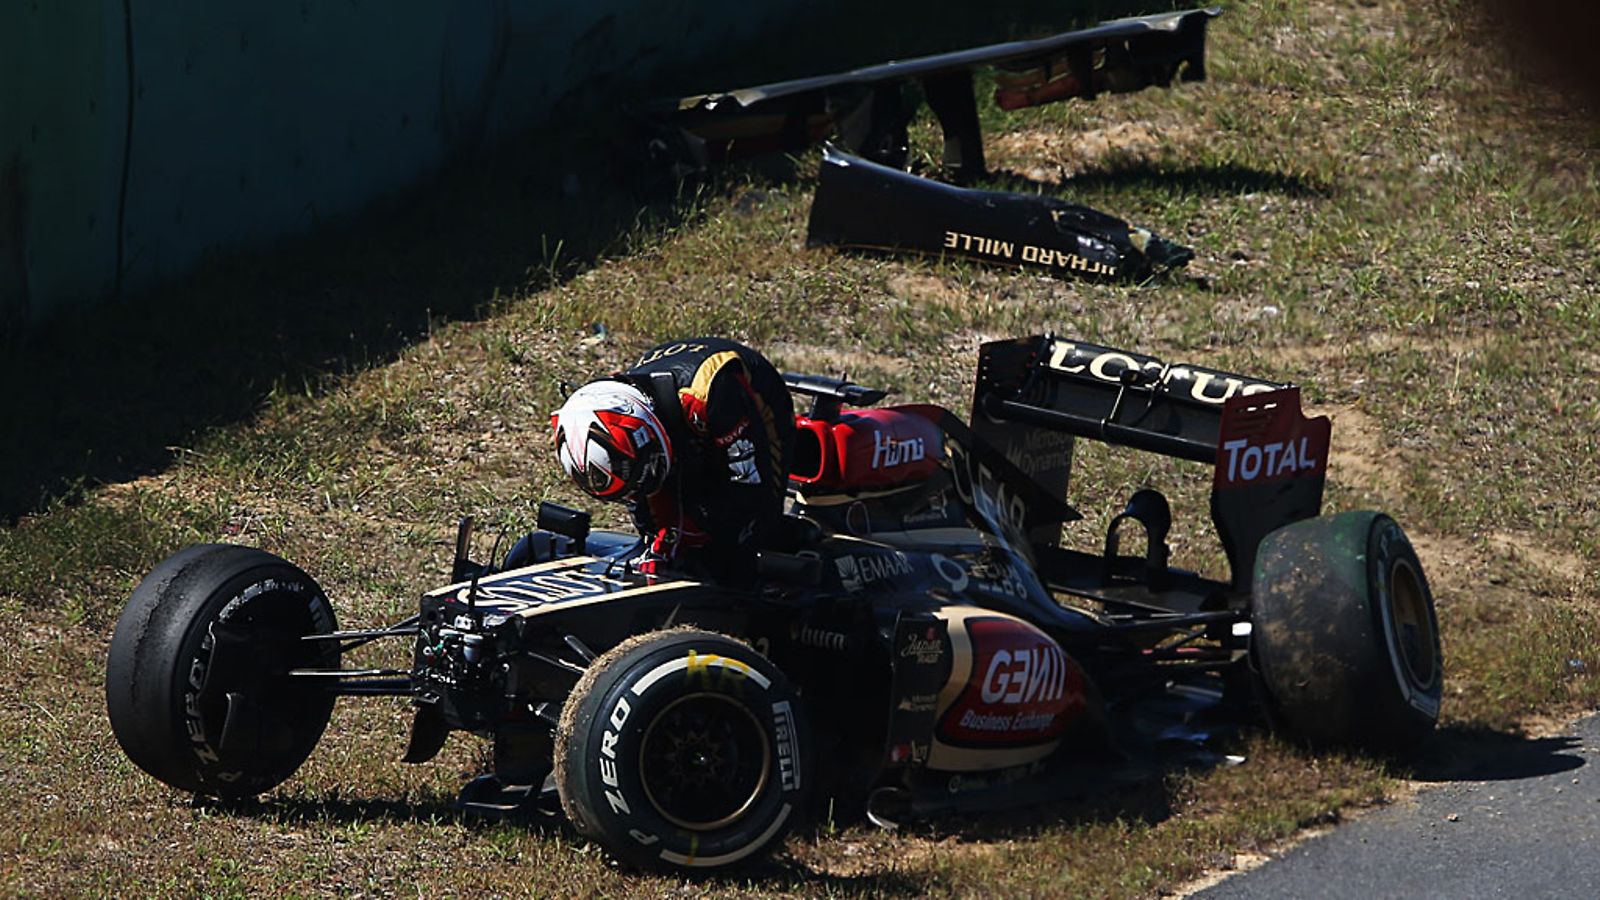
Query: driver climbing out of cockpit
[{"x": 697, "y": 436}]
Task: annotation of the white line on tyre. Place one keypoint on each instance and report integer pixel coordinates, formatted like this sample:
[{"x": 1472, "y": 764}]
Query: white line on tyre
[
  {"x": 698, "y": 664},
  {"x": 733, "y": 856}
]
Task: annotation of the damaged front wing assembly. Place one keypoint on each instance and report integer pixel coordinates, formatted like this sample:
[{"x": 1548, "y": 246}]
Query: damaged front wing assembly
[{"x": 867, "y": 110}]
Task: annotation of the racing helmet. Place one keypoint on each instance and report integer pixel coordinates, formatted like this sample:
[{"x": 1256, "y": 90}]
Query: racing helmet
[{"x": 610, "y": 441}]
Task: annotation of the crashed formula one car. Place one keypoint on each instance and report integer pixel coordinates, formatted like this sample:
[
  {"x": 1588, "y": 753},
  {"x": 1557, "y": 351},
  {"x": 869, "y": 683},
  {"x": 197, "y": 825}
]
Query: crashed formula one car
[{"x": 922, "y": 636}]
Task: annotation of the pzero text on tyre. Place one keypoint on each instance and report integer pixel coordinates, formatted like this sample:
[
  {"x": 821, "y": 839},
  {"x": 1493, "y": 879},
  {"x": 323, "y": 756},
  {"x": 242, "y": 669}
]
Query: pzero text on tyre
[
  {"x": 1344, "y": 634},
  {"x": 197, "y": 681},
  {"x": 682, "y": 748}
]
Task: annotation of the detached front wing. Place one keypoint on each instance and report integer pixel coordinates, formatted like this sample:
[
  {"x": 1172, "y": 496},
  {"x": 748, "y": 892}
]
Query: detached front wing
[{"x": 864, "y": 205}]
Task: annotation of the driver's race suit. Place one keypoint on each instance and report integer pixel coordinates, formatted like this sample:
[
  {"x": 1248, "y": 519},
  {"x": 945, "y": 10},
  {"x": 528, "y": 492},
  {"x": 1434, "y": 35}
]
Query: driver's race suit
[{"x": 732, "y": 435}]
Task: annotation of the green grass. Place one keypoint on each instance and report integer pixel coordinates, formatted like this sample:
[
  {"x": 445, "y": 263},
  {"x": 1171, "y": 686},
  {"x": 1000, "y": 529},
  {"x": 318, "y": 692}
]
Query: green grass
[{"x": 1426, "y": 233}]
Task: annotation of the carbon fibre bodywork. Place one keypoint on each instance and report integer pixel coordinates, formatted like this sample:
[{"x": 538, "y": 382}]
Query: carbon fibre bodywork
[
  {"x": 867, "y": 206},
  {"x": 867, "y": 110},
  {"x": 923, "y": 605},
  {"x": 919, "y": 636}
]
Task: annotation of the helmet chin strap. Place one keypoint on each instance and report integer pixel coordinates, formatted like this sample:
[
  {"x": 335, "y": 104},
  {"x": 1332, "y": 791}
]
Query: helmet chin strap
[{"x": 660, "y": 469}]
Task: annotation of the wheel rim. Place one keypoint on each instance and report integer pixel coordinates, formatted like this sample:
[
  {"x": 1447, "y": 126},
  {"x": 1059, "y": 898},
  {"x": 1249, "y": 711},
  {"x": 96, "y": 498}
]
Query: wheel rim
[
  {"x": 1414, "y": 635},
  {"x": 274, "y": 622},
  {"x": 705, "y": 761}
]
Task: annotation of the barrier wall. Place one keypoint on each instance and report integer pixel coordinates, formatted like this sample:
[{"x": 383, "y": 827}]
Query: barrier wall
[
  {"x": 184, "y": 125},
  {"x": 137, "y": 134}
]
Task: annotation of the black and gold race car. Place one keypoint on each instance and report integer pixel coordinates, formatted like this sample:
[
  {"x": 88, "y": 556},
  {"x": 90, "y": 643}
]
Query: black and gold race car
[{"x": 921, "y": 636}]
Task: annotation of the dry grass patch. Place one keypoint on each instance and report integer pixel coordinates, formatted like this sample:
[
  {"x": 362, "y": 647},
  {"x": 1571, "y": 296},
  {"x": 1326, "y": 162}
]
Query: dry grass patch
[{"x": 1054, "y": 157}]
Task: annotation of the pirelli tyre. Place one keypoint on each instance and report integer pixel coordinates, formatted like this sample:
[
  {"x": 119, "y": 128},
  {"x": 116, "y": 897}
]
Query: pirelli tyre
[
  {"x": 197, "y": 683},
  {"x": 682, "y": 748},
  {"x": 1344, "y": 636}
]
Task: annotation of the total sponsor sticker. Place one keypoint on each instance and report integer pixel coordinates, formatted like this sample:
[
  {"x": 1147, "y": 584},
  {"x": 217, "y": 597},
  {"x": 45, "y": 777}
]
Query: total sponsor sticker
[{"x": 1266, "y": 438}]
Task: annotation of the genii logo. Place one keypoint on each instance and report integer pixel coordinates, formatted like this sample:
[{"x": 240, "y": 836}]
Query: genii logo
[
  {"x": 1023, "y": 688},
  {"x": 1025, "y": 675}
]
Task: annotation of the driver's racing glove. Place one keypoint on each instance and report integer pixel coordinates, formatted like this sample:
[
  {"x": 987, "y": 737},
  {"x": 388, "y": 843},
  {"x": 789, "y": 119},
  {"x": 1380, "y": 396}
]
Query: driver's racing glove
[{"x": 659, "y": 552}]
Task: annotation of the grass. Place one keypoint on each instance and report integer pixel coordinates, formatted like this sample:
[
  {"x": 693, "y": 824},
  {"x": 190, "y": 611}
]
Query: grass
[{"x": 1377, "y": 215}]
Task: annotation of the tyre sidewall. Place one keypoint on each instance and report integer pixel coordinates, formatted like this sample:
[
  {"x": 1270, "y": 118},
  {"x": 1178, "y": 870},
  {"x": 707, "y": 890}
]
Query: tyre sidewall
[
  {"x": 606, "y": 745},
  {"x": 239, "y": 598},
  {"x": 1387, "y": 547},
  {"x": 170, "y": 646}
]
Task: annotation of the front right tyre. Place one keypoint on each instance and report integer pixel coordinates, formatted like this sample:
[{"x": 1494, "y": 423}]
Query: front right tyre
[{"x": 684, "y": 749}]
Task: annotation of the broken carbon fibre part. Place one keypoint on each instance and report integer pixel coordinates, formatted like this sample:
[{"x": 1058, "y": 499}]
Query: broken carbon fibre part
[
  {"x": 867, "y": 110},
  {"x": 864, "y": 205}
]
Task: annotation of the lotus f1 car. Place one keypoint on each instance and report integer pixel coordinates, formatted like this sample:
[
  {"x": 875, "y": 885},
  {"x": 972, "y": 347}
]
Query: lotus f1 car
[{"x": 923, "y": 632}]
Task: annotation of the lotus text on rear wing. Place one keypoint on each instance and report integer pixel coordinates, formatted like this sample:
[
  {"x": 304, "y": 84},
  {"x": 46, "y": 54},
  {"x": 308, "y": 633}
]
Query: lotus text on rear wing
[{"x": 1110, "y": 366}]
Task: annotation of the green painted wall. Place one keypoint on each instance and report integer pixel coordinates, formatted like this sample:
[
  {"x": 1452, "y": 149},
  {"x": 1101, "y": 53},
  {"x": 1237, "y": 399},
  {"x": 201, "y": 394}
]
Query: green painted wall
[
  {"x": 63, "y": 109},
  {"x": 237, "y": 122},
  {"x": 253, "y": 120}
]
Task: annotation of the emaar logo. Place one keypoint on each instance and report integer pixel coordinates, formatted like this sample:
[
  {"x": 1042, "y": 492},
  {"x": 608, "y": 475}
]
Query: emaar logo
[{"x": 856, "y": 572}]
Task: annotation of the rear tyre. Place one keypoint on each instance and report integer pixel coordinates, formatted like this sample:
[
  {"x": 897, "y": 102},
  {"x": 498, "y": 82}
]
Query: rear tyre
[
  {"x": 682, "y": 749},
  {"x": 1344, "y": 636},
  {"x": 197, "y": 683}
]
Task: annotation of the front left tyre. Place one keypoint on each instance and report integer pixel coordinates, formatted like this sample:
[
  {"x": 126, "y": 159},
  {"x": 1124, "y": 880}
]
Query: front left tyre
[
  {"x": 682, "y": 749},
  {"x": 197, "y": 681}
]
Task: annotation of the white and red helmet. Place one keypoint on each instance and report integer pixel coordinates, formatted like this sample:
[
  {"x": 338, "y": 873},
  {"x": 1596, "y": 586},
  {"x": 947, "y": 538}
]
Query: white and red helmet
[{"x": 610, "y": 441}]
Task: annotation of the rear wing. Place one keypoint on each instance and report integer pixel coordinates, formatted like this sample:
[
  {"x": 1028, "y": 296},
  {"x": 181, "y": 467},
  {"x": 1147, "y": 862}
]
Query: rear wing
[
  {"x": 1109, "y": 395},
  {"x": 1033, "y": 396}
]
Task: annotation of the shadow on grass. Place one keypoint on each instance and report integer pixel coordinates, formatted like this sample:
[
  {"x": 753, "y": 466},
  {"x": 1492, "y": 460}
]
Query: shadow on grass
[
  {"x": 780, "y": 872},
  {"x": 1148, "y": 801},
  {"x": 790, "y": 874},
  {"x": 109, "y": 392},
  {"x": 1481, "y": 754},
  {"x": 345, "y": 811},
  {"x": 112, "y": 392},
  {"x": 1226, "y": 180}
]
